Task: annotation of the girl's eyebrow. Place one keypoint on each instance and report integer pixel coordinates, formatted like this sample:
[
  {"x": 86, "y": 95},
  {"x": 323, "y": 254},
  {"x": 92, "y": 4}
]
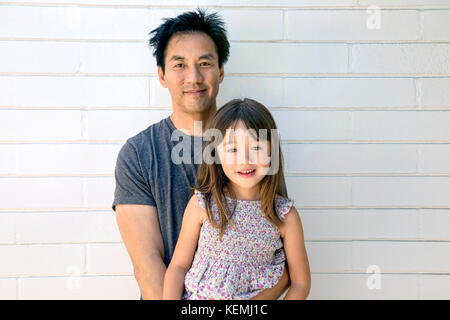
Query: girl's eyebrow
[
  {"x": 230, "y": 138},
  {"x": 234, "y": 142}
]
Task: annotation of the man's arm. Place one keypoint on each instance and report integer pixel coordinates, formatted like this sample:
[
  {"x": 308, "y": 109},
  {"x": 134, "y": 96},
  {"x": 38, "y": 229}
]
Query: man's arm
[
  {"x": 184, "y": 250},
  {"x": 141, "y": 234},
  {"x": 276, "y": 291}
]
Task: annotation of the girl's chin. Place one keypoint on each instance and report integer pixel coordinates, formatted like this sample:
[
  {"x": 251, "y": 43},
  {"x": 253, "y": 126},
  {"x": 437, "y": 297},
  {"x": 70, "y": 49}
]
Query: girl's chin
[{"x": 246, "y": 182}]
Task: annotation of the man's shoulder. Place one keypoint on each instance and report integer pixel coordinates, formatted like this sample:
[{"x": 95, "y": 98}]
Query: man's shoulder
[{"x": 150, "y": 136}]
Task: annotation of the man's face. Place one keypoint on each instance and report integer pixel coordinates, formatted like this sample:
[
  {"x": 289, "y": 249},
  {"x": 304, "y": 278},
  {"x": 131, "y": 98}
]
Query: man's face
[{"x": 192, "y": 72}]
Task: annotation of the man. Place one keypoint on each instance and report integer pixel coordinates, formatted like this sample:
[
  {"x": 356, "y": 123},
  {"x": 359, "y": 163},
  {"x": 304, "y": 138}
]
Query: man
[{"x": 151, "y": 190}]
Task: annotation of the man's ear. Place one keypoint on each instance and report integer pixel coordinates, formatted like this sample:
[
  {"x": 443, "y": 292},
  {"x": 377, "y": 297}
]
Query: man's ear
[
  {"x": 221, "y": 74},
  {"x": 162, "y": 80}
]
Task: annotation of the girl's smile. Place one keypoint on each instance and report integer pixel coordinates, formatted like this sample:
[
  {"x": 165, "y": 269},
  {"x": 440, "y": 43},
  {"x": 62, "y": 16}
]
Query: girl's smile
[{"x": 247, "y": 173}]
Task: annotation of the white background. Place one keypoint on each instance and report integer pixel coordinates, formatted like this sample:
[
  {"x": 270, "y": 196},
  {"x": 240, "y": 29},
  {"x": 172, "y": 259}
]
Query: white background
[{"x": 363, "y": 115}]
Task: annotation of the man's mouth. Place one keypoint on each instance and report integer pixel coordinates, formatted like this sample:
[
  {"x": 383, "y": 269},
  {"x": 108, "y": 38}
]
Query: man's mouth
[{"x": 196, "y": 92}]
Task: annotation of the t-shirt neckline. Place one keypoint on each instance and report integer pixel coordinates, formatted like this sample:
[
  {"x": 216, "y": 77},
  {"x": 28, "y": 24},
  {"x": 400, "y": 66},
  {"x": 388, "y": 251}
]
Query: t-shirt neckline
[{"x": 173, "y": 128}]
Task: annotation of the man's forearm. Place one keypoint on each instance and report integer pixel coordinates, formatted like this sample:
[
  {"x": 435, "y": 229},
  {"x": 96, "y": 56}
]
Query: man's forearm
[
  {"x": 276, "y": 291},
  {"x": 150, "y": 278}
]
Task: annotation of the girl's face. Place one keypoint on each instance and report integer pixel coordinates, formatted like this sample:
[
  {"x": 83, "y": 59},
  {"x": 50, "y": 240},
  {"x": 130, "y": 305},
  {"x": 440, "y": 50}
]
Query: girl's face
[{"x": 244, "y": 159}]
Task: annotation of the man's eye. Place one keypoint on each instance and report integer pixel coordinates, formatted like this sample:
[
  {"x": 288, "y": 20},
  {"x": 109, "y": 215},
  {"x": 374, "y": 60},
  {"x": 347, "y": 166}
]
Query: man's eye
[
  {"x": 179, "y": 65},
  {"x": 205, "y": 64}
]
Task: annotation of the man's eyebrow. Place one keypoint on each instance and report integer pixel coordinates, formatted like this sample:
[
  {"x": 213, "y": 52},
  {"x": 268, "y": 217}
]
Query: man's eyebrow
[
  {"x": 175, "y": 57},
  {"x": 208, "y": 56}
]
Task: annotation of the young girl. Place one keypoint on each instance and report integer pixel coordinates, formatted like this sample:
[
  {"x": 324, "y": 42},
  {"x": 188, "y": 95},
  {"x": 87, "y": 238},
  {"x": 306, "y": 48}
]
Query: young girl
[{"x": 239, "y": 227}]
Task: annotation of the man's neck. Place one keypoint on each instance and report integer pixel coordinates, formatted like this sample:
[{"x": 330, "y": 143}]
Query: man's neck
[{"x": 185, "y": 121}]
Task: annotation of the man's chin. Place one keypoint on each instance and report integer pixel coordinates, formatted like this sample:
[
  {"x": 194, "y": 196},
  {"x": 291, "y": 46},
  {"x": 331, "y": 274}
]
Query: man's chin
[{"x": 202, "y": 106}]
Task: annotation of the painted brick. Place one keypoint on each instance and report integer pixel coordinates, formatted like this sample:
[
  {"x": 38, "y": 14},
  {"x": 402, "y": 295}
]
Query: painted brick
[
  {"x": 349, "y": 92},
  {"x": 54, "y": 91},
  {"x": 51, "y": 227},
  {"x": 7, "y": 228},
  {"x": 352, "y": 158},
  {"x": 400, "y": 58},
  {"x": 40, "y": 124},
  {"x": 41, "y": 259},
  {"x": 345, "y": 286},
  {"x": 92, "y": 158},
  {"x": 435, "y": 25},
  {"x": 59, "y": 192},
  {"x": 287, "y": 58},
  {"x": 401, "y": 125},
  {"x": 79, "y": 288},
  {"x": 352, "y": 25},
  {"x": 8, "y": 289},
  {"x": 401, "y": 191},
  {"x": 8, "y": 159},
  {"x": 434, "y": 92},
  {"x": 367, "y": 224},
  {"x": 51, "y": 57},
  {"x": 99, "y": 259}
]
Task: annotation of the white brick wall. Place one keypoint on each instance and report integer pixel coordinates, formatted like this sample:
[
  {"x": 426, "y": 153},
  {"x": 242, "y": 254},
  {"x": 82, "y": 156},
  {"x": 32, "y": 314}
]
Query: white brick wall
[{"x": 363, "y": 113}]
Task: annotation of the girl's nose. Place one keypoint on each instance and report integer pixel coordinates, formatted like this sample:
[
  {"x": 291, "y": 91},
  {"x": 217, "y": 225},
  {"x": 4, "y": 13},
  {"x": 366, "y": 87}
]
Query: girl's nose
[{"x": 246, "y": 157}]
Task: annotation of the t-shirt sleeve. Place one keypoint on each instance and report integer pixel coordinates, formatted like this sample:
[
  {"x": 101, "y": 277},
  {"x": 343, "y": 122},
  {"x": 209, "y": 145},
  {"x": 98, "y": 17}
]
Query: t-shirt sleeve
[{"x": 131, "y": 185}]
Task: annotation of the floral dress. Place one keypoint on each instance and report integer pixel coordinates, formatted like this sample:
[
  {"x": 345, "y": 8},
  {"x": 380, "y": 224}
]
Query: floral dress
[{"x": 249, "y": 259}]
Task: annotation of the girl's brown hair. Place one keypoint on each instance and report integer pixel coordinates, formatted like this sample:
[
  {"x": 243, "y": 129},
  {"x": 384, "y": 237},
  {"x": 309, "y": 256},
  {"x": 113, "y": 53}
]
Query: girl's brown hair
[{"x": 211, "y": 178}]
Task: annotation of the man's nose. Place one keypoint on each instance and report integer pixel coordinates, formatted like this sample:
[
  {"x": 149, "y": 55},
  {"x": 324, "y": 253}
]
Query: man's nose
[{"x": 194, "y": 75}]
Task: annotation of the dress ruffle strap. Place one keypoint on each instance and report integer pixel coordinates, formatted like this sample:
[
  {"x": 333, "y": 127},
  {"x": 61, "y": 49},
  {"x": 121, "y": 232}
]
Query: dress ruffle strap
[
  {"x": 283, "y": 205},
  {"x": 201, "y": 199}
]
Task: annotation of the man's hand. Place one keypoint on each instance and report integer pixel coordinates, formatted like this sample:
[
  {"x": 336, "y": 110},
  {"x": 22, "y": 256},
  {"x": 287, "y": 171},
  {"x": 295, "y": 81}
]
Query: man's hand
[
  {"x": 276, "y": 291},
  {"x": 140, "y": 231}
]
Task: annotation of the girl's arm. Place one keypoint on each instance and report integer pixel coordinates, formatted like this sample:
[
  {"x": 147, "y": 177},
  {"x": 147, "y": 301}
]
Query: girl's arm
[
  {"x": 297, "y": 259},
  {"x": 184, "y": 252}
]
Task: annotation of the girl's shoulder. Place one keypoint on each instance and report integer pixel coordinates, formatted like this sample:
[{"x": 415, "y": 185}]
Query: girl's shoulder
[
  {"x": 283, "y": 205},
  {"x": 201, "y": 200},
  {"x": 201, "y": 197}
]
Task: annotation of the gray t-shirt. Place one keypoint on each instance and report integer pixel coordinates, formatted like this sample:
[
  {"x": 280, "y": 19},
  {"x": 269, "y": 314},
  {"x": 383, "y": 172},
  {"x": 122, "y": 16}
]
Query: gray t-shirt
[{"x": 145, "y": 174}]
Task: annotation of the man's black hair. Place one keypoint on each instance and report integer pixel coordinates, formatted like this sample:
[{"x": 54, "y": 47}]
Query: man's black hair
[{"x": 190, "y": 22}]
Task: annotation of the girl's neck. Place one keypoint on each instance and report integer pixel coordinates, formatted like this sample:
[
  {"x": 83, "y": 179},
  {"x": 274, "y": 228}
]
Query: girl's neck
[{"x": 244, "y": 193}]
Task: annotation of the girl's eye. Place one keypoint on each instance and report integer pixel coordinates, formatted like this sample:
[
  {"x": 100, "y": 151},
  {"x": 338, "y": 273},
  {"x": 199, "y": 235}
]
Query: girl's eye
[{"x": 234, "y": 149}]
